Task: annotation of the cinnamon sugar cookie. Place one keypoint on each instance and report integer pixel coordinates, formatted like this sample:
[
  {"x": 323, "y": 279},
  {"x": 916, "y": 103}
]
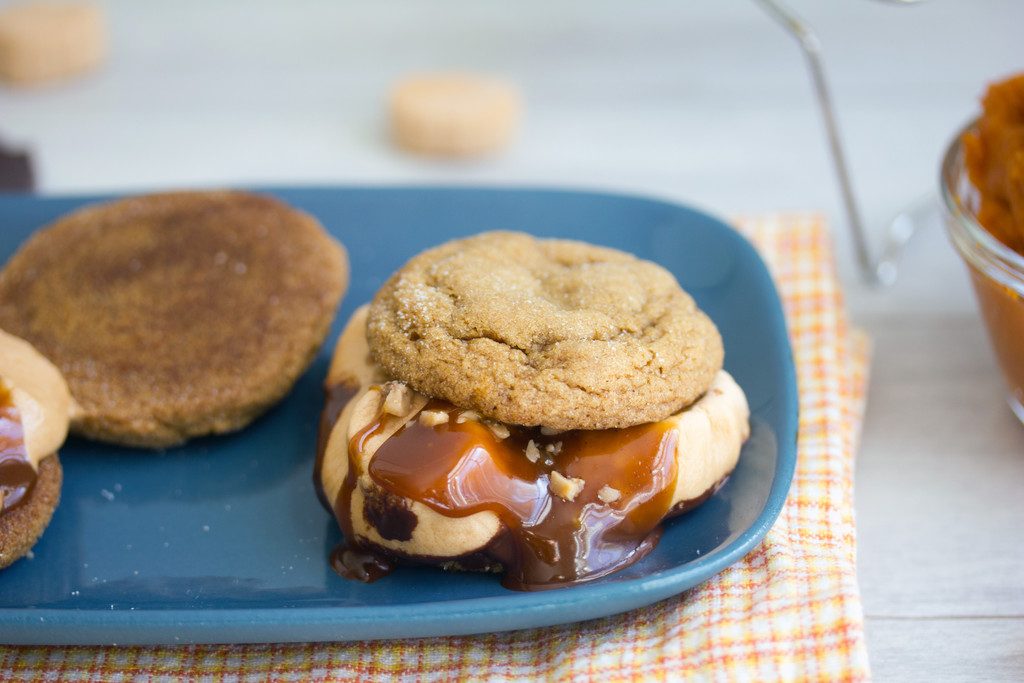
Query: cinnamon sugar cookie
[{"x": 175, "y": 315}]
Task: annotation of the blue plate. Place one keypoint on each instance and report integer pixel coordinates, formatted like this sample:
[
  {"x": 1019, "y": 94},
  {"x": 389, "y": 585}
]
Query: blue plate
[{"x": 223, "y": 540}]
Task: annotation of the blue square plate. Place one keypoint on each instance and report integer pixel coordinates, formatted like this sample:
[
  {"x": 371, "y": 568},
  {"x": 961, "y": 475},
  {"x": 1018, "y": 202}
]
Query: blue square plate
[{"x": 223, "y": 540}]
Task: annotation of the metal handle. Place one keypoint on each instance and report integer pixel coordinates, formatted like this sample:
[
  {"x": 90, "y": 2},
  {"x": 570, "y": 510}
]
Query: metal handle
[{"x": 876, "y": 271}]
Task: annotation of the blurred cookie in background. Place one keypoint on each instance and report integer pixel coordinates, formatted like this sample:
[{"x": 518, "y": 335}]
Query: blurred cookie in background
[
  {"x": 454, "y": 115},
  {"x": 43, "y": 42}
]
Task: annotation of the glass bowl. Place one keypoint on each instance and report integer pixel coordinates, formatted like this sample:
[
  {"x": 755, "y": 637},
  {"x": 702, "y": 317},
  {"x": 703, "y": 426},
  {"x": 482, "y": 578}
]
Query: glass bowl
[{"x": 997, "y": 272}]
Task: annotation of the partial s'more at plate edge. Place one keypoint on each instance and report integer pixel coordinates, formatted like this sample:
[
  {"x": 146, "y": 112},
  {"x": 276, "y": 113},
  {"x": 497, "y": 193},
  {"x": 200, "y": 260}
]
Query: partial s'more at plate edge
[
  {"x": 34, "y": 409},
  {"x": 524, "y": 406},
  {"x": 148, "y": 321}
]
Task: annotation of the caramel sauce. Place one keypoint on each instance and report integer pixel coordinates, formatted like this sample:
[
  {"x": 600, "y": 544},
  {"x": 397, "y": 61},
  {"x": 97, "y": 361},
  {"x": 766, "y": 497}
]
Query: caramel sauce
[
  {"x": 17, "y": 476},
  {"x": 547, "y": 541}
]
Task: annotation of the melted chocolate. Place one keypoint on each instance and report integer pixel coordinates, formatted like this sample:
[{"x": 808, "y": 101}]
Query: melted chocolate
[
  {"x": 17, "y": 476},
  {"x": 547, "y": 541},
  {"x": 389, "y": 515}
]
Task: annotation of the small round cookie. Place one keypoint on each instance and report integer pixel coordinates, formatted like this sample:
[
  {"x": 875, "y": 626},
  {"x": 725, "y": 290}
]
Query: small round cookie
[
  {"x": 175, "y": 315},
  {"x": 453, "y": 115},
  {"x": 556, "y": 333}
]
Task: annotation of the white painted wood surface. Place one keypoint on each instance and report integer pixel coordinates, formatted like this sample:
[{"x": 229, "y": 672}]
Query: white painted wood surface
[{"x": 704, "y": 101}]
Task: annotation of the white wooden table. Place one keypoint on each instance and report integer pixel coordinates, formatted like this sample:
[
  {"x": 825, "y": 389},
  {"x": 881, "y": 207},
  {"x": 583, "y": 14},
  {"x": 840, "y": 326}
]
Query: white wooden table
[{"x": 702, "y": 101}]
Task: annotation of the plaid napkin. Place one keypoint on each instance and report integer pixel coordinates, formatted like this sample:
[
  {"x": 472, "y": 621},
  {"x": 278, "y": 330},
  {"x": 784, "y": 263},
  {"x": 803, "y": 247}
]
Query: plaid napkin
[{"x": 790, "y": 610}]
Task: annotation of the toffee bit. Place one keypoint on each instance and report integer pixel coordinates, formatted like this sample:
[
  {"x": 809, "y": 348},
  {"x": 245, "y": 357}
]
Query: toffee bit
[
  {"x": 432, "y": 418},
  {"x": 549, "y": 431},
  {"x": 554, "y": 448},
  {"x": 532, "y": 452},
  {"x": 608, "y": 495},
  {"x": 467, "y": 415},
  {"x": 399, "y": 400},
  {"x": 564, "y": 487}
]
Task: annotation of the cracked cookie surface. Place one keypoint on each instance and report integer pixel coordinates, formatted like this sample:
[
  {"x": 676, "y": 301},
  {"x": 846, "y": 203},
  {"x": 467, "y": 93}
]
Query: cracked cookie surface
[{"x": 556, "y": 333}]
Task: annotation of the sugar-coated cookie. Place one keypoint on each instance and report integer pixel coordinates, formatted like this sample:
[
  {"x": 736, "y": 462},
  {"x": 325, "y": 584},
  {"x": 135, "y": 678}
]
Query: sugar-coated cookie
[{"x": 555, "y": 333}]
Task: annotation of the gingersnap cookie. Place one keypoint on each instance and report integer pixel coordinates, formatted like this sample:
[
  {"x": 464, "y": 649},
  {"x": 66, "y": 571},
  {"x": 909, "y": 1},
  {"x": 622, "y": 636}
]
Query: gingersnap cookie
[
  {"x": 175, "y": 315},
  {"x": 555, "y": 333},
  {"x": 34, "y": 410}
]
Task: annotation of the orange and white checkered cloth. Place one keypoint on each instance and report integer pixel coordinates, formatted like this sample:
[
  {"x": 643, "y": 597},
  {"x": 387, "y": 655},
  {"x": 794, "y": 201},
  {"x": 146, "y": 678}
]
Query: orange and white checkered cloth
[{"x": 790, "y": 610}]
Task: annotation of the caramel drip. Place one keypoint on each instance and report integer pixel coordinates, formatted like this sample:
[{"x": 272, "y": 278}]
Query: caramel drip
[
  {"x": 17, "y": 476},
  {"x": 548, "y": 541}
]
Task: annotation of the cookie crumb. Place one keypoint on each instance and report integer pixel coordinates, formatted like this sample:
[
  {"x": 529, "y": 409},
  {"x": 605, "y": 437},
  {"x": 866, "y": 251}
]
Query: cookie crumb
[
  {"x": 432, "y": 418},
  {"x": 554, "y": 448},
  {"x": 607, "y": 494},
  {"x": 532, "y": 452},
  {"x": 399, "y": 400},
  {"x": 564, "y": 487}
]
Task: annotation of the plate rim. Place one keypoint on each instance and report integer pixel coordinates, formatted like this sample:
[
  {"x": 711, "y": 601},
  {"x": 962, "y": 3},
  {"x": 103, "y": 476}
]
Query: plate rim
[{"x": 50, "y": 626}]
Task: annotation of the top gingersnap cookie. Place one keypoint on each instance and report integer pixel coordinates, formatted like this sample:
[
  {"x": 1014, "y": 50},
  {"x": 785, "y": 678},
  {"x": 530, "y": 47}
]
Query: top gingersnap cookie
[{"x": 556, "y": 333}]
